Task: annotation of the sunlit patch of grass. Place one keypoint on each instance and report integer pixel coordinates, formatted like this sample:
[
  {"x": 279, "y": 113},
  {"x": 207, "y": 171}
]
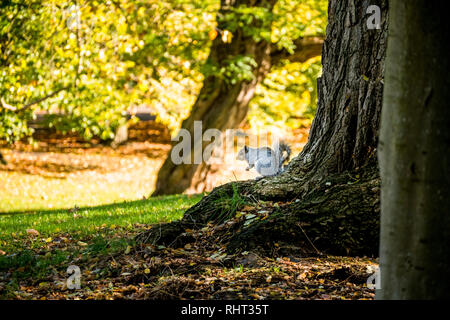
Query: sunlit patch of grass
[
  {"x": 40, "y": 181},
  {"x": 81, "y": 233},
  {"x": 85, "y": 220}
]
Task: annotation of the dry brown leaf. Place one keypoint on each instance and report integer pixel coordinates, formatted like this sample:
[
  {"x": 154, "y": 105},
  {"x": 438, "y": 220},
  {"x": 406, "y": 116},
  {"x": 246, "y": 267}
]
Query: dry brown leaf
[{"x": 32, "y": 232}]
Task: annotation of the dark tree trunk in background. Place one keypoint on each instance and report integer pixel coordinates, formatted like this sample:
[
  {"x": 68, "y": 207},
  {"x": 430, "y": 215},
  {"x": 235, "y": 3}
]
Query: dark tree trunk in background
[
  {"x": 415, "y": 154},
  {"x": 331, "y": 190},
  {"x": 223, "y": 105},
  {"x": 220, "y": 105},
  {"x": 2, "y": 159}
]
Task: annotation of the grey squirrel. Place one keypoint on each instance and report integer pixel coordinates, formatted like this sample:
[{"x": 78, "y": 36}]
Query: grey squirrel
[{"x": 267, "y": 161}]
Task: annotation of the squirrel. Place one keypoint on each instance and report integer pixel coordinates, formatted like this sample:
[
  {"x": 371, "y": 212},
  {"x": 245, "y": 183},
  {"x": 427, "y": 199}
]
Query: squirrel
[{"x": 267, "y": 161}]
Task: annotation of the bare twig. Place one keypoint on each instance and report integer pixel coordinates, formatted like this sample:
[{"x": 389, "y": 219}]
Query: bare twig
[{"x": 308, "y": 238}]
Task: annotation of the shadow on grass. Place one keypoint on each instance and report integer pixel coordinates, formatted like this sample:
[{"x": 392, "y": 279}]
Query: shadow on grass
[{"x": 136, "y": 204}]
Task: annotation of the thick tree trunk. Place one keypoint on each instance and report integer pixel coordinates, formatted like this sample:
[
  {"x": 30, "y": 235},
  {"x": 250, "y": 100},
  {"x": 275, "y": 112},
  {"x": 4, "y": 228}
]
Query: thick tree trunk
[
  {"x": 331, "y": 189},
  {"x": 222, "y": 105},
  {"x": 415, "y": 154},
  {"x": 345, "y": 129}
]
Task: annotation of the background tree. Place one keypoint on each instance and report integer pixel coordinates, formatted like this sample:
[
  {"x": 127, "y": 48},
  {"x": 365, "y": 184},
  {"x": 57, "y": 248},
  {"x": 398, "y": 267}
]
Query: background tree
[
  {"x": 239, "y": 60},
  {"x": 91, "y": 61},
  {"x": 335, "y": 180},
  {"x": 88, "y": 62},
  {"x": 414, "y": 155}
]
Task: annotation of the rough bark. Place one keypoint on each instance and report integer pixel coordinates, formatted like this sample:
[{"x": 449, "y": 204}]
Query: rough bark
[
  {"x": 345, "y": 129},
  {"x": 222, "y": 105},
  {"x": 414, "y": 155},
  {"x": 333, "y": 182}
]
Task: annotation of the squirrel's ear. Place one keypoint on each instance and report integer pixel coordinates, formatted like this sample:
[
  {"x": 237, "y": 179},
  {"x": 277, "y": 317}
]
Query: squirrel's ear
[{"x": 246, "y": 149}]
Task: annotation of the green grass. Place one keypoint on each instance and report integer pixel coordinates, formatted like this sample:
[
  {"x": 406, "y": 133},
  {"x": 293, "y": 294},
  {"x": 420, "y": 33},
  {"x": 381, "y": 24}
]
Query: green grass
[
  {"x": 76, "y": 236},
  {"x": 21, "y": 191},
  {"x": 87, "y": 219}
]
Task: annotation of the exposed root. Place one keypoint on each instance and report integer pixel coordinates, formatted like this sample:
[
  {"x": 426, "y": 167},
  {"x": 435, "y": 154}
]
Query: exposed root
[{"x": 340, "y": 215}]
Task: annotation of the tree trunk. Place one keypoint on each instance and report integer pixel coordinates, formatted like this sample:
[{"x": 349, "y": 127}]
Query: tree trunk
[
  {"x": 415, "y": 155},
  {"x": 2, "y": 159},
  {"x": 330, "y": 193},
  {"x": 223, "y": 105},
  {"x": 345, "y": 129}
]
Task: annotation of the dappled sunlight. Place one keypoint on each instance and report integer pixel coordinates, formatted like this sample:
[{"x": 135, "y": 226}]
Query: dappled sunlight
[{"x": 60, "y": 173}]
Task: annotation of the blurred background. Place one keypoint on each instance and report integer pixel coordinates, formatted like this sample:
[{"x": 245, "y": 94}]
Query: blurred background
[{"x": 93, "y": 91}]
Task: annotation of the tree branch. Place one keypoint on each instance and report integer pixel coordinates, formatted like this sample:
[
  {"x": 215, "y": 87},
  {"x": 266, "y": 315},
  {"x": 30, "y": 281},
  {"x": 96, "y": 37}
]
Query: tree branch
[
  {"x": 6, "y": 106},
  {"x": 306, "y": 48}
]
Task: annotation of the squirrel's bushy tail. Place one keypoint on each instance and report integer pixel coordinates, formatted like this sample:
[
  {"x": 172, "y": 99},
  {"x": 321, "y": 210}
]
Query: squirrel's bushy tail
[
  {"x": 282, "y": 151},
  {"x": 284, "y": 147}
]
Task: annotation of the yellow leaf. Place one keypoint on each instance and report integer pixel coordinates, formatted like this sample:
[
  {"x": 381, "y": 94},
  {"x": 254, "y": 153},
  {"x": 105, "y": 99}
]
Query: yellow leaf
[
  {"x": 147, "y": 271},
  {"x": 212, "y": 34},
  {"x": 141, "y": 11},
  {"x": 48, "y": 240}
]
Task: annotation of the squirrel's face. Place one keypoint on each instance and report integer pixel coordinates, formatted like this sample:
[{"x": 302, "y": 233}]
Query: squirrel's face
[{"x": 242, "y": 153}]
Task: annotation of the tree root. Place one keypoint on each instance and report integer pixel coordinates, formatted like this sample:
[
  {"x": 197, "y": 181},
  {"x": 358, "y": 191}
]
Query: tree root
[{"x": 340, "y": 216}]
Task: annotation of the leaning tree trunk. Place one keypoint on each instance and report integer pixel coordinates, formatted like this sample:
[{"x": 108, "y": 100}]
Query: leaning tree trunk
[
  {"x": 224, "y": 105},
  {"x": 328, "y": 198},
  {"x": 415, "y": 155}
]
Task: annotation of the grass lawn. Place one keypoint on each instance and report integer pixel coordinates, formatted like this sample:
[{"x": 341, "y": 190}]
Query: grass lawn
[
  {"x": 87, "y": 220},
  {"x": 77, "y": 204},
  {"x": 100, "y": 241},
  {"x": 62, "y": 237},
  {"x": 53, "y": 180}
]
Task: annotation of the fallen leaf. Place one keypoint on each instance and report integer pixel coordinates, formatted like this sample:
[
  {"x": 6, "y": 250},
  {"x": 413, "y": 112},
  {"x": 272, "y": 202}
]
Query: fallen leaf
[
  {"x": 247, "y": 208},
  {"x": 32, "y": 232}
]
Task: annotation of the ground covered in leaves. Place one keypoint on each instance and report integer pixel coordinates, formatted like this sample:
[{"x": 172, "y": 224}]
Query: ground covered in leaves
[{"x": 113, "y": 267}]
